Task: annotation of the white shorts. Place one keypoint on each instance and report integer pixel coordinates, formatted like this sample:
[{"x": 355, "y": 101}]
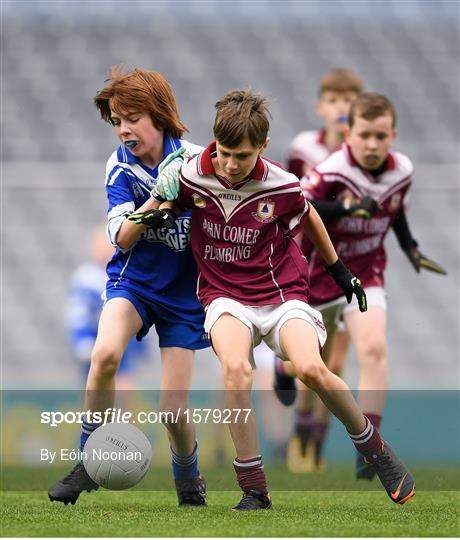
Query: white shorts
[
  {"x": 333, "y": 311},
  {"x": 265, "y": 322}
]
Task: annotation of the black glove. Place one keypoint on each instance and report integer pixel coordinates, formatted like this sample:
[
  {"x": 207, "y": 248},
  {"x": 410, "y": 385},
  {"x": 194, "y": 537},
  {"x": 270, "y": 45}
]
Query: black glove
[
  {"x": 156, "y": 219},
  {"x": 418, "y": 261},
  {"x": 348, "y": 283},
  {"x": 365, "y": 208}
]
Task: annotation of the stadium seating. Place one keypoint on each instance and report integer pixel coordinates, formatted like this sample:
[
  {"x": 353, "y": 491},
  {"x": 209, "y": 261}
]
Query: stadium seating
[{"x": 54, "y": 146}]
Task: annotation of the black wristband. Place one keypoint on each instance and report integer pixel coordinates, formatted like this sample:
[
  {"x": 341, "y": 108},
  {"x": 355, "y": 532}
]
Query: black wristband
[
  {"x": 338, "y": 268},
  {"x": 343, "y": 278}
]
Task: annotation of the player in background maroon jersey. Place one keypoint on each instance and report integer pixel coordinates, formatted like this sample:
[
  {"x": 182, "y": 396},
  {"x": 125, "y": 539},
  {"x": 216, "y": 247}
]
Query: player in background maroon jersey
[
  {"x": 336, "y": 91},
  {"x": 253, "y": 282},
  {"x": 360, "y": 191}
]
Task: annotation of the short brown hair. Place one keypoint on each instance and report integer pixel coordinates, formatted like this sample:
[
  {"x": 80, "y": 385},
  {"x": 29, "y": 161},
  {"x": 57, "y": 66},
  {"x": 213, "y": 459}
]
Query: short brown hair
[
  {"x": 370, "y": 106},
  {"x": 139, "y": 90},
  {"x": 340, "y": 80},
  {"x": 241, "y": 113}
]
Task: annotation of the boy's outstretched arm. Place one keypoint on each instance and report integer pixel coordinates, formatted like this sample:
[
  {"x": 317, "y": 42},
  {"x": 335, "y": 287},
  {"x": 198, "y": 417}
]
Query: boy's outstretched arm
[{"x": 317, "y": 233}]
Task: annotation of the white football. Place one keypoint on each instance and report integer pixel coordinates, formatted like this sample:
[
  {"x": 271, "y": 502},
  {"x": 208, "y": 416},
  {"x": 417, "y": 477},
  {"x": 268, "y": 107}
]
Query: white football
[{"x": 117, "y": 456}]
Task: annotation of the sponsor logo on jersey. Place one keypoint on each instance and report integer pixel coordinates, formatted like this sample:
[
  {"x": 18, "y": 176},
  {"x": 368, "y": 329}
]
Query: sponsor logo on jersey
[
  {"x": 137, "y": 190},
  {"x": 177, "y": 239},
  {"x": 198, "y": 200},
  {"x": 265, "y": 211},
  {"x": 230, "y": 196}
]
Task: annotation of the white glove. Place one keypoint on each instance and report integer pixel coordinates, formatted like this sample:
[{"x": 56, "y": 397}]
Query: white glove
[{"x": 167, "y": 186}]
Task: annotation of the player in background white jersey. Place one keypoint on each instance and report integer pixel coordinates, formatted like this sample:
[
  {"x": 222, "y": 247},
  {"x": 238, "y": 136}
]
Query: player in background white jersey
[
  {"x": 336, "y": 91},
  {"x": 376, "y": 180}
]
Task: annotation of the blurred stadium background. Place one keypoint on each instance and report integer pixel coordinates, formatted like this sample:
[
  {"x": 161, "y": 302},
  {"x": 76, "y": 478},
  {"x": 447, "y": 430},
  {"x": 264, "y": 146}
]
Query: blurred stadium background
[{"x": 56, "y": 55}]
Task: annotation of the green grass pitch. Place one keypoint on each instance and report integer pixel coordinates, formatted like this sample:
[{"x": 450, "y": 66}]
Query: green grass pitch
[{"x": 295, "y": 513}]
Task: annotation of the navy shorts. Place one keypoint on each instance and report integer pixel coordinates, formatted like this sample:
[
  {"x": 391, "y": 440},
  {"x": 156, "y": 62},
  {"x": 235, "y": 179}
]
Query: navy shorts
[{"x": 174, "y": 328}]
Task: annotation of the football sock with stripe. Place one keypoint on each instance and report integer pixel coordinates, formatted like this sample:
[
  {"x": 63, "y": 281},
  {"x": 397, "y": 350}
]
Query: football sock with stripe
[
  {"x": 185, "y": 467},
  {"x": 86, "y": 429},
  {"x": 368, "y": 442},
  {"x": 375, "y": 419},
  {"x": 250, "y": 474}
]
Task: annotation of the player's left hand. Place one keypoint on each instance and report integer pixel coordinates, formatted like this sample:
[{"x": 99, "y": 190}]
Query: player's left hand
[
  {"x": 167, "y": 186},
  {"x": 348, "y": 283},
  {"x": 156, "y": 219},
  {"x": 418, "y": 261}
]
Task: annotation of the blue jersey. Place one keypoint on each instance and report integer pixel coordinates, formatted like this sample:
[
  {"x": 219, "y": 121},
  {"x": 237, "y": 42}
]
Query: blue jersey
[
  {"x": 159, "y": 267},
  {"x": 83, "y": 311}
]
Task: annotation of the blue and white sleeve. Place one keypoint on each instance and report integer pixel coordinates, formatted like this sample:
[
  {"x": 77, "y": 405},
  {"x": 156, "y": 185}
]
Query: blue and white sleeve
[{"x": 120, "y": 198}]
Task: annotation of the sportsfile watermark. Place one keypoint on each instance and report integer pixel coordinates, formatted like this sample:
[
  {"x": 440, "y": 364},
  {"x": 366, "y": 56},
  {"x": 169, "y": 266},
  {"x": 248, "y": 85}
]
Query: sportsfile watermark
[
  {"x": 75, "y": 454},
  {"x": 42, "y": 434},
  {"x": 119, "y": 416}
]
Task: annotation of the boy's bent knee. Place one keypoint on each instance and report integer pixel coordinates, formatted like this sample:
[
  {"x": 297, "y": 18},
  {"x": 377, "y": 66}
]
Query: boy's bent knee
[
  {"x": 312, "y": 374},
  {"x": 105, "y": 360}
]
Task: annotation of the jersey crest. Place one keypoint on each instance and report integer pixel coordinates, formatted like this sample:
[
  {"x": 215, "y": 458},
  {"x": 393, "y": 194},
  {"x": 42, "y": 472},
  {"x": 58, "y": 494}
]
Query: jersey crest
[
  {"x": 198, "y": 200},
  {"x": 265, "y": 211}
]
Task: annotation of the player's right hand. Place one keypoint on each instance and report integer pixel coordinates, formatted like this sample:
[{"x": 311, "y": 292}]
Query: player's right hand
[
  {"x": 349, "y": 284},
  {"x": 365, "y": 208},
  {"x": 167, "y": 186},
  {"x": 156, "y": 219}
]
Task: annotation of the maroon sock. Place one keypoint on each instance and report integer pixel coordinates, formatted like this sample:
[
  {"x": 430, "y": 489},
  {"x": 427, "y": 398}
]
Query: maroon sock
[
  {"x": 375, "y": 419},
  {"x": 279, "y": 366},
  {"x": 368, "y": 442},
  {"x": 250, "y": 474},
  {"x": 318, "y": 431},
  {"x": 303, "y": 419}
]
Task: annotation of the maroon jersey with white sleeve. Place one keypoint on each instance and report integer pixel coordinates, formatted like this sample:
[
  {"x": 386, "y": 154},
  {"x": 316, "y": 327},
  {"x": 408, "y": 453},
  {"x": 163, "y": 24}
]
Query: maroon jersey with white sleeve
[
  {"x": 242, "y": 234},
  {"x": 358, "y": 241},
  {"x": 306, "y": 150}
]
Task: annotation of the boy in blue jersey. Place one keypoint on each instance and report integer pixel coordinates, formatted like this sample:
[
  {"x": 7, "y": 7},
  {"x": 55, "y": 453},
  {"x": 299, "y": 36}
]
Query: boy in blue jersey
[{"x": 152, "y": 275}]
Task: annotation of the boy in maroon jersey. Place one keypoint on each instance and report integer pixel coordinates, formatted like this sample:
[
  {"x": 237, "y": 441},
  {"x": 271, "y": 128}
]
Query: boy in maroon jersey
[
  {"x": 337, "y": 89},
  {"x": 360, "y": 191},
  {"x": 253, "y": 282}
]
